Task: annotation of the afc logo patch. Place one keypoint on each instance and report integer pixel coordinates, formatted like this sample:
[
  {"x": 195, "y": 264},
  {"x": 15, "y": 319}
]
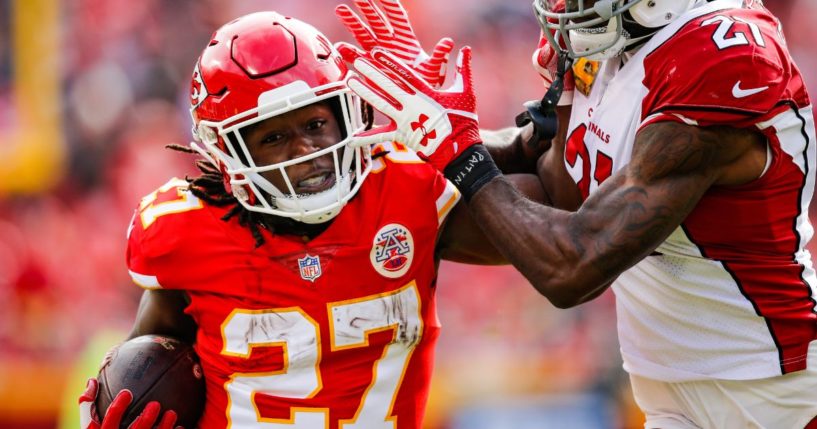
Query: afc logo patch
[
  {"x": 392, "y": 250},
  {"x": 310, "y": 267}
]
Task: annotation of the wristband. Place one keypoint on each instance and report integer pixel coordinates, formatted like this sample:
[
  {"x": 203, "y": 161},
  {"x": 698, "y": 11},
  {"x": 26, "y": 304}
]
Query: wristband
[{"x": 472, "y": 170}]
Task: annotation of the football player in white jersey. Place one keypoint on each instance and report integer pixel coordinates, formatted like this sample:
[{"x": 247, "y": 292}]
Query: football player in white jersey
[{"x": 692, "y": 144}]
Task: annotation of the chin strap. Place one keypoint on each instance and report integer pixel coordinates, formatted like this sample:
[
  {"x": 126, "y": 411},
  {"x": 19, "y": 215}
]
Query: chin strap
[{"x": 543, "y": 112}]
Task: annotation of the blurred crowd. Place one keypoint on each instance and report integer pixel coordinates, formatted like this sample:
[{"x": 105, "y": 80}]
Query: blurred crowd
[{"x": 90, "y": 93}]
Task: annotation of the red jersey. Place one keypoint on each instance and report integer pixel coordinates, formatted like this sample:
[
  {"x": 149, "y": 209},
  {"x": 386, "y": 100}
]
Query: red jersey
[{"x": 334, "y": 332}]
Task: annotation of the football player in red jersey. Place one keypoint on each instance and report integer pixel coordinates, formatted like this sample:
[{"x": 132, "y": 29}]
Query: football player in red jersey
[
  {"x": 303, "y": 269},
  {"x": 691, "y": 141}
]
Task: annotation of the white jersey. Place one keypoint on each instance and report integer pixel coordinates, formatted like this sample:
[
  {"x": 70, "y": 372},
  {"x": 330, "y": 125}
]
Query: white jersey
[{"x": 731, "y": 293}]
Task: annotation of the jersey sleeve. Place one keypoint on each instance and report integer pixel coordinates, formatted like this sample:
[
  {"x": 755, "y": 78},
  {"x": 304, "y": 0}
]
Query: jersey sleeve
[
  {"x": 161, "y": 235},
  {"x": 729, "y": 68},
  {"x": 404, "y": 161},
  {"x": 448, "y": 197}
]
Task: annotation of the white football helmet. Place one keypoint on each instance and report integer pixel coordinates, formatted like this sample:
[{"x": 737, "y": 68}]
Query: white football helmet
[{"x": 602, "y": 29}]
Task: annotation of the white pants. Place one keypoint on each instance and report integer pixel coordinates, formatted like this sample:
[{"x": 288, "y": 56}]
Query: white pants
[{"x": 785, "y": 402}]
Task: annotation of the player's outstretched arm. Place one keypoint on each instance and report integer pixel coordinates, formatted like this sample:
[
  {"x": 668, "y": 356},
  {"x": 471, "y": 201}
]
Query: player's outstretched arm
[
  {"x": 462, "y": 240},
  {"x": 569, "y": 257}
]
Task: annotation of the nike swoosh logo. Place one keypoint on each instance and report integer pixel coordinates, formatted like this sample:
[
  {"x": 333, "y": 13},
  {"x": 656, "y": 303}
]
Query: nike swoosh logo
[{"x": 739, "y": 92}]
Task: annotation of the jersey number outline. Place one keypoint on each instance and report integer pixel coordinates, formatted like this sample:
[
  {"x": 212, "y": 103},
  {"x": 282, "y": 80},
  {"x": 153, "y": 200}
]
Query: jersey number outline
[
  {"x": 350, "y": 324},
  {"x": 725, "y": 23},
  {"x": 576, "y": 149},
  {"x": 149, "y": 210}
]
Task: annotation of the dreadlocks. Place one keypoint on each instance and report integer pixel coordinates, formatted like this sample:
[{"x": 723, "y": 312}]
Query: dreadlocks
[{"x": 209, "y": 187}]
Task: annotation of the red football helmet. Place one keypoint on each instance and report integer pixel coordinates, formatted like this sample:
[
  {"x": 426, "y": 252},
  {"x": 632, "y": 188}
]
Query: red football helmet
[{"x": 259, "y": 66}]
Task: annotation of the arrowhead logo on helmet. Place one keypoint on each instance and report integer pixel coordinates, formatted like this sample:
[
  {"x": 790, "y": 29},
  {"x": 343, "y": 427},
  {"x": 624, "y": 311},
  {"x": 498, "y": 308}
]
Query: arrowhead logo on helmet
[{"x": 198, "y": 92}]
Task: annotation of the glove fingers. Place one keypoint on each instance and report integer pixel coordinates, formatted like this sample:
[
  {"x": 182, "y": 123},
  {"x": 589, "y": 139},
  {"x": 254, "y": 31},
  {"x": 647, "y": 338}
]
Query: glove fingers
[
  {"x": 404, "y": 75},
  {"x": 462, "y": 78},
  {"x": 374, "y": 136},
  {"x": 403, "y": 33},
  {"x": 91, "y": 387},
  {"x": 544, "y": 61},
  {"x": 168, "y": 420},
  {"x": 441, "y": 51},
  {"x": 375, "y": 18},
  {"x": 378, "y": 83},
  {"x": 435, "y": 67},
  {"x": 397, "y": 15},
  {"x": 117, "y": 409},
  {"x": 349, "y": 52},
  {"x": 147, "y": 417},
  {"x": 86, "y": 400},
  {"x": 375, "y": 96},
  {"x": 354, "y": 24}
]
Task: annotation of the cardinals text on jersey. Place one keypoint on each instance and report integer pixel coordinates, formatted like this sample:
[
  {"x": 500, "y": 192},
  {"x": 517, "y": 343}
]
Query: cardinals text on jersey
[{"x": 730, "y": 293}]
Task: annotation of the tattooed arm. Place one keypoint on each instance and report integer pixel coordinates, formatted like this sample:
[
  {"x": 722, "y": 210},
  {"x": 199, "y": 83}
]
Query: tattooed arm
[{"x": 570, "y": 257}]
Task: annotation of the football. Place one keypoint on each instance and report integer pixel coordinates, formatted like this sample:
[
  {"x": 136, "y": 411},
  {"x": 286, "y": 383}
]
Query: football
[{"x": 154, "y": 368}]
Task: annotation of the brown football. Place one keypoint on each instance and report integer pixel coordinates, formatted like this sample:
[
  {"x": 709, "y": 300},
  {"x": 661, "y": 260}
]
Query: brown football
[{"x": 154, "y": 368}]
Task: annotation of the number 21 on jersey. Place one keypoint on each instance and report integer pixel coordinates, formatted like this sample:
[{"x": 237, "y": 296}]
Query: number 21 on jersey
[
  {"x": 351, "y": 323},
  {"x": 598, "y": 168}
]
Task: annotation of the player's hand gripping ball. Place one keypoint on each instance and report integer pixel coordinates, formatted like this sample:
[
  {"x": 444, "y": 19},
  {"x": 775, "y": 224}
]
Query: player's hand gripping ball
[{"x": 154, "y": 368}]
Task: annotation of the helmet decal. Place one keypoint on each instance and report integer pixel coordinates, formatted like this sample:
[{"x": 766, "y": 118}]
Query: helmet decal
[{"x": 198, "y": 92}]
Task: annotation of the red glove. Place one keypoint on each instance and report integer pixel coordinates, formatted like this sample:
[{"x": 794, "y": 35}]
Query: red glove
[
  {"x": 545, "y": 60},
  {"x": 438, "y": 124},
  {"x": 89, "y": 418},
  {"x": 392, "y": 31}
]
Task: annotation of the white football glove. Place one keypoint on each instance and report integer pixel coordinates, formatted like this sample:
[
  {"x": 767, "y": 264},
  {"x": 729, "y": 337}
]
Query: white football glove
[{"x": 438, "y": 124}]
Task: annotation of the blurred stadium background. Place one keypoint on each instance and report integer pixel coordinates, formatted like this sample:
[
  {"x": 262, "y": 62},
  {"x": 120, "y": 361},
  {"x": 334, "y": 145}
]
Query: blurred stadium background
[{"x": 92, "y": 90}]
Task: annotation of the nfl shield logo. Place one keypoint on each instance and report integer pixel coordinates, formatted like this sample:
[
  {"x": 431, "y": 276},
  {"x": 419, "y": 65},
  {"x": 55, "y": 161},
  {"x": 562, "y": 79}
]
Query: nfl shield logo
[{"x": 310, "y": 267}]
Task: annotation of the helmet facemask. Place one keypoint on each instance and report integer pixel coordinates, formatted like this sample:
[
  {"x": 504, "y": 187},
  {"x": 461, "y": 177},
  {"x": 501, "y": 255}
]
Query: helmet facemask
[
  {"x": 603, "y": 29},
  {"x": 224, "y": 142}
]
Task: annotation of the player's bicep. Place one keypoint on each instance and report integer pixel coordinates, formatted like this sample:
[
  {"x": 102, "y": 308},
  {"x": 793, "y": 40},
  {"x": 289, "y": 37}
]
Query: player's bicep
[
  {"x": 161, "y": 312},
  {"x": 462, "y": 239}
]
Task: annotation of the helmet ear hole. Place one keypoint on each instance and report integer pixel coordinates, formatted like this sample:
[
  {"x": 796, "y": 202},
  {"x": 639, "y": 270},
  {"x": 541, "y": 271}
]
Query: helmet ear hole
[{"x": 658, "y": 13}]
